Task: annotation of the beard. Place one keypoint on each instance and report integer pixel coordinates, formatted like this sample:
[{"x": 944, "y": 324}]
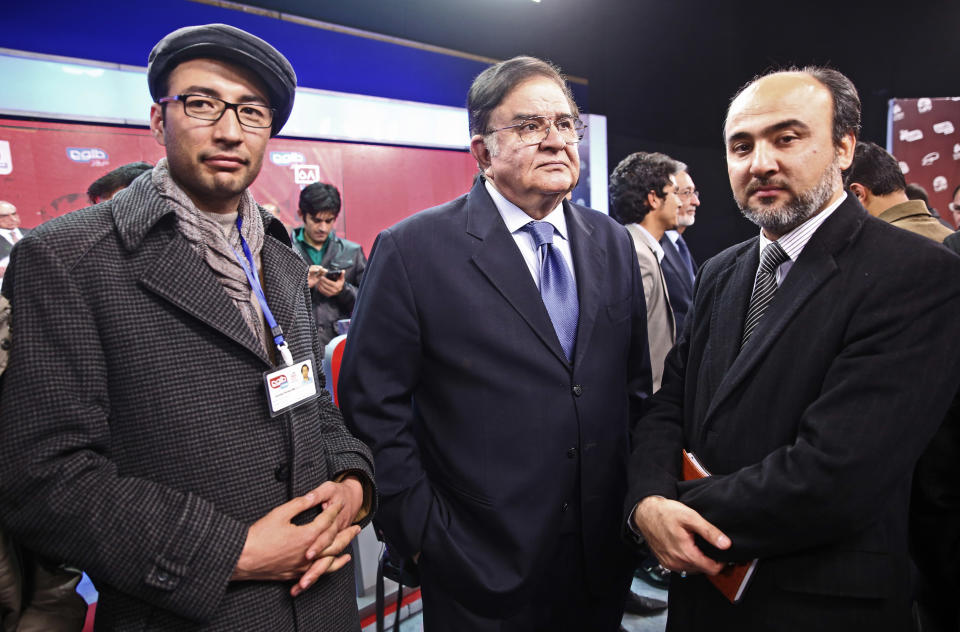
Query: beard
[{"x": 780, "y": 220}]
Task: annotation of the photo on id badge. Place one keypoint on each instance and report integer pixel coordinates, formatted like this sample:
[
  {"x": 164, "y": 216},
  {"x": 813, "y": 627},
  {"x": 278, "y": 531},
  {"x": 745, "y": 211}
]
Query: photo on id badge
[{"x": 290, "y": 386}]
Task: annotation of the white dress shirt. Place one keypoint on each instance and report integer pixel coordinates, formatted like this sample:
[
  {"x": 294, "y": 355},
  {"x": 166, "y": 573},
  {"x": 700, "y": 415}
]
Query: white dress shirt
[
  {"x": 515, "y": 219},
  {"x": 794, "y": 241}
]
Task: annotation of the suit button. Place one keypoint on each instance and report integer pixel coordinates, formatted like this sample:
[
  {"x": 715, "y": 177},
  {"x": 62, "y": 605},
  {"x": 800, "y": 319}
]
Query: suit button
[
  {"x": 571, "y": 453},
  {"x": 162, "y": 577},
  {"x": 282, "y": 473},
  {"x": 577, "y": 390},
  {"x": 564, "y": 507}
]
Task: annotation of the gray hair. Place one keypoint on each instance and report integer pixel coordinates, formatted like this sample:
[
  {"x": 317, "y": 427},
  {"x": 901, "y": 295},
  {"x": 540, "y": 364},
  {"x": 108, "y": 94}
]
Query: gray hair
[{"x": 492, "y": 85}]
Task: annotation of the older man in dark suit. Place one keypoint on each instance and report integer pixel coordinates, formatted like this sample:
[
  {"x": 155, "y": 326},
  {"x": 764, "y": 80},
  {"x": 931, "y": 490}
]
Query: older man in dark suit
[
  {"x": 154, "y": 428},
  {"x": 496, "y": 358},
  {"x": 815, "y": 370}
]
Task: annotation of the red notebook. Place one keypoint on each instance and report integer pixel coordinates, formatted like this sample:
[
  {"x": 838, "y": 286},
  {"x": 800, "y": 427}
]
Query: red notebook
[{"x": 733, "y": 579}]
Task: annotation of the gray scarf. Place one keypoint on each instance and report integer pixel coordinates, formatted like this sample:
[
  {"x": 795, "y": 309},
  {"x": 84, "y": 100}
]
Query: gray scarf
[{"x": 217, "y": 249}]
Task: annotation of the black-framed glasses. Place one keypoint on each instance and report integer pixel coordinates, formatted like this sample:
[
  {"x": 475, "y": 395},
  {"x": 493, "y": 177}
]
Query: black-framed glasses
[
  {"x": 534, "y": 130},
  {"x": 686, "y": 193},
  {"x": 207, "y": 108}
]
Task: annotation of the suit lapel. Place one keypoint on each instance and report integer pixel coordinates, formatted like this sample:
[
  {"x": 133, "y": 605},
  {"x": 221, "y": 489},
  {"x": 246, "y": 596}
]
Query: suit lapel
[
  {"x": 588, "y": 257},
  {"x": 813, "y": 267},
  {"x": 671, "y": 259},
  {"x": 499, "y": 259},
  {"x": 181, "y": 277},
  {"x": 732, "y": 296},
  {"x": 174, "y": 271}
]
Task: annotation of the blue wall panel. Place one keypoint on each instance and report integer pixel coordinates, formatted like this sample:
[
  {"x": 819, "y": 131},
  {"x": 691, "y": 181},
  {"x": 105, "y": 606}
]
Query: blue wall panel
[{"x": 123, "y": 32}]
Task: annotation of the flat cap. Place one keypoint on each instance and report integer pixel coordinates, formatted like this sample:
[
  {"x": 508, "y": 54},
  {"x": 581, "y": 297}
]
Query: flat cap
[{"x": 233, "y": 45}]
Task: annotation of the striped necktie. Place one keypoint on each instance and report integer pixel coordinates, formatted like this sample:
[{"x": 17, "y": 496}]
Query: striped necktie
[{"x": 764, "y": 287}]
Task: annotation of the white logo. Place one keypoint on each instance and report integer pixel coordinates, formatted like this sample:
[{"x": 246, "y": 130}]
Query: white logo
[
  {"x": 897, "y": 112},
  {"x": 904, "y": 167},
  {"x": 86, "y": 154},
  {"x": 6, "y": 158},
  {"x": 911, "y": 135},
  {"x": 943, "y": 127},
  {"x": 956, "y": 151},
  {"x": 284, "y": 158},
  {"x": 930, "y": 158},
  {"x": 924, "y": 105},
  {"x": 306, "y": 174},
  {"x": 939, "y": 184}
]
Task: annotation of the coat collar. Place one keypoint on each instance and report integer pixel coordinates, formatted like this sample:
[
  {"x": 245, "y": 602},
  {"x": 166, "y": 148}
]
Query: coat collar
[
  {"x": 815, "y": 265},
  {"x": 177, "y": 274},
  {"x": 497, "y": 257}
]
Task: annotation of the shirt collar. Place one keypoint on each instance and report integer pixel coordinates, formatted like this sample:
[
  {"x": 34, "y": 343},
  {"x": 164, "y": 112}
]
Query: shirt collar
[
  {"x": 673, "y": 236},
  {"x": 653, "y": 243},
  {"x": 794, "y": 242},
  {"x": 515, "y": 219}
]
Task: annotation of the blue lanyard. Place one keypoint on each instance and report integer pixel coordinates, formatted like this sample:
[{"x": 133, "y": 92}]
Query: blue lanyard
[{"x": 251, "y": 272}]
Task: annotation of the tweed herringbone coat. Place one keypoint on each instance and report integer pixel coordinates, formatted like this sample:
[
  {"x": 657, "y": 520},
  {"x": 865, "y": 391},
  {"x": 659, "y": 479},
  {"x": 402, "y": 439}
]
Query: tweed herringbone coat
[{"x": 135, "y": 440}]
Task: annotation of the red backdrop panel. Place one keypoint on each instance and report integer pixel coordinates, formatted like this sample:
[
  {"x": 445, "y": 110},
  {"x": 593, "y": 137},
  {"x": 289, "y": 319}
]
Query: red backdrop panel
[
  {"x": 45, "y": 169},
  {"x": 925, "y": 138}
]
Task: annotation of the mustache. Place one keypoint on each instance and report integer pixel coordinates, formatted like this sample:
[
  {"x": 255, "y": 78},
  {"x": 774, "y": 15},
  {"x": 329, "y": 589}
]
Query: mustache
[{"x": 760, "y": 183}]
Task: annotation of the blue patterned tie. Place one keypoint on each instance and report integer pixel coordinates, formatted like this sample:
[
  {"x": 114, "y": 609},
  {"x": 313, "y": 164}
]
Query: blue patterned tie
[
  {"x": 557, "y": 288},
  {"x": 764, "y": 287},
  {"x": 685, "y": 255}
]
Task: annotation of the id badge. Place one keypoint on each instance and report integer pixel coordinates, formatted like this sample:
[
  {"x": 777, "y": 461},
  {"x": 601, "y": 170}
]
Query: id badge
[{"x": 291, "y": 385}]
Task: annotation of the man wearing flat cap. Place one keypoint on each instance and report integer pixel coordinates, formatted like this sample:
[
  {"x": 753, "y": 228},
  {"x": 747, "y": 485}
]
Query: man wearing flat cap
[{"x": 154, "y": 429}]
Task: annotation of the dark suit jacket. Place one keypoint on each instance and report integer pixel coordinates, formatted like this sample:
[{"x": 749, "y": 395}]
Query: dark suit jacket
[
  {"x": 135, "y": 440},
  {"x": 679, "y": 285},
  {"x": 488, "y": 443},
  {"x": 812, "y": 430},
  {"x": 6, "y": 246}
]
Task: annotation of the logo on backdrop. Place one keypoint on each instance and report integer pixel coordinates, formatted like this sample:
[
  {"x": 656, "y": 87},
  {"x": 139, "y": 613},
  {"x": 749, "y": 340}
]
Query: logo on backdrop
[
  {"x": 930, "y": 158},
  {"x": 287, "y": 158},
  {"x": 306, "y": 174},
  {"x": 943, "y": 127},
  {"x": 911, "y": 135},
  {"x": 939, "y": 184},
  {"x": 94, "y": 155},
  {"x": 904, "y": 167},
  {"x": 924, "y": 105},
  {"x": 6, "y": 158}
]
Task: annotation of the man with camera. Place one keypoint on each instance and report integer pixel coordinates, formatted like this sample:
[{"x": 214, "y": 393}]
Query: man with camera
[{"x": 336, "y": 264}]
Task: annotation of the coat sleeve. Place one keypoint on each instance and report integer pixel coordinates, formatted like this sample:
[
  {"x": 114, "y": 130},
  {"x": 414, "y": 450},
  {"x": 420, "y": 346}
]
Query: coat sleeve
[
  {"x": 381, "y": 368},
  {"x": 60, "y": 493}
]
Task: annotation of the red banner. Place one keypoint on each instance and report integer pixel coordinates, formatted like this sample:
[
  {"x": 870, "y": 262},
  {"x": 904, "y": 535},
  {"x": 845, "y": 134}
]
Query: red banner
[{"x": 45, "y": 169}]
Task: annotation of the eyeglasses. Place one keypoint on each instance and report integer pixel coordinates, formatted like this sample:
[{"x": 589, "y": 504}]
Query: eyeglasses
[
  {"x": 685, "y": 193},
  {"x": 207, "y": 108},
  {"x": 534, "y": 130}
]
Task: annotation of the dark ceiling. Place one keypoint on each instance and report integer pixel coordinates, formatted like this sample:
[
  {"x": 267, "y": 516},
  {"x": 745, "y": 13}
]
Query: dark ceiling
[{"x": 662, "y": 71}]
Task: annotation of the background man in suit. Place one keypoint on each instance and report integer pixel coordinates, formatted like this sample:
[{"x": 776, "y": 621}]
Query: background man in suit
[
  {"x": 808, "y": 385},
  {"x": 679, "y": 267},
  {"x": 643, "y": 197},
  {"x": 136, "y": 440},
  {"x": 325, "y": 252},
  {"x": 10, "y": 232},
  {"x": 876, "y": 180},
  {"x": 496, "y": 379}
]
